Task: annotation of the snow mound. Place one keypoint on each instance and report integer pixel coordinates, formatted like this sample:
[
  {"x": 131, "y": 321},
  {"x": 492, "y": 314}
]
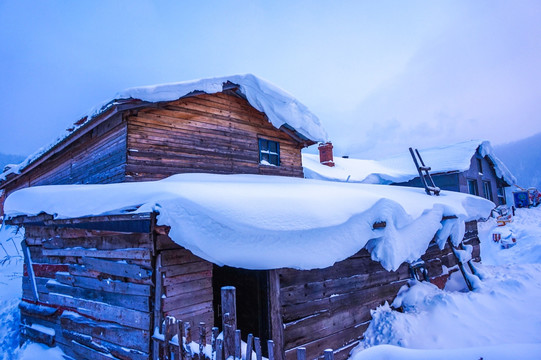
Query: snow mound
[
  {"x": 281, "y": 108},
  {"x": 265, "y": 222},
  {"x": 400, "y": 168}
]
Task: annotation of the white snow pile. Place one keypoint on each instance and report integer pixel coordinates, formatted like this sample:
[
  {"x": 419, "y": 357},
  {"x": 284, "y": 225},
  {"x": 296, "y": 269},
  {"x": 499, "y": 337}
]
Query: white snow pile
[
  {"x": 400, "y": 168},
  {"x": 265, "y": 222},
  {"x": 500, "y": 319},
  {"x": 280, "y": 107}
]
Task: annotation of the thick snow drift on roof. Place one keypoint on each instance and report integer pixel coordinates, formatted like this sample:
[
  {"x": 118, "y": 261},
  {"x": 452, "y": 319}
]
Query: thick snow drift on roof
[
  {"x": 265, "y": 222},
  {"x": 280, "y": 107},
  {"x": 400, "y": 168}
]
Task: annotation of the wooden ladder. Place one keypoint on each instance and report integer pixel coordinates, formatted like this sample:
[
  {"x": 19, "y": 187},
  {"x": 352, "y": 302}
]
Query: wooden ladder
[{"x": 424, "y": 174}]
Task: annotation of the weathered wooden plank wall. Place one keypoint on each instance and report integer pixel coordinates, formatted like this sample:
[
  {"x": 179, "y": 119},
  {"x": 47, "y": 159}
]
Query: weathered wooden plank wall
[
  {"x": 330, "y": 308},
  {"x": 97, "y": 157},
  {"x": 215, "y": 133},
  {"x": 94, "y": 291},
  {"x": 187, "y": 284}
]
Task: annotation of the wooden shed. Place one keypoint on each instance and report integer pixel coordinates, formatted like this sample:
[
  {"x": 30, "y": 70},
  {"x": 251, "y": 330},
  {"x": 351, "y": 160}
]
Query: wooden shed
[{"x": 103, "y": 284}]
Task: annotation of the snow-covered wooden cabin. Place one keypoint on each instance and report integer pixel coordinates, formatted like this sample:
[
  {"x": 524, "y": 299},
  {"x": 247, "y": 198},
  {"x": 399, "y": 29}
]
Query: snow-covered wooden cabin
[
  {"x": 106, "y": 263},
  {"x": 470, "y": 167}
]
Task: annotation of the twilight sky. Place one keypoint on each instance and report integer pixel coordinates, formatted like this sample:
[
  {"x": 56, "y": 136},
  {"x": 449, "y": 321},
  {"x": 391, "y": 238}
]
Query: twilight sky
[{"x": 381, "y": 75}]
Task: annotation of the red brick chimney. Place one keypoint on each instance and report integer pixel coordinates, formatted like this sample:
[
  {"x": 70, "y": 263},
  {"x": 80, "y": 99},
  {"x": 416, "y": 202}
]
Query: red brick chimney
[{"x": 325, "y": 154}]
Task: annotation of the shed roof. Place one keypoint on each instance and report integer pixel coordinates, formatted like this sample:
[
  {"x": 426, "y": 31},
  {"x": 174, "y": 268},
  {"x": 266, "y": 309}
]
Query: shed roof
[
  {"x": 281, "y": 108},
  {"x": 400, "y": 168},
  {"x": 266, "y": 222}
]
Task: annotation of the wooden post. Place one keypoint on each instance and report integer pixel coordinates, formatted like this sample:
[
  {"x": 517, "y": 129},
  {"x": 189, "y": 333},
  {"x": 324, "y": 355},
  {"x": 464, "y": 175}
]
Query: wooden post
[
  {"x": 179, "y": 351},
  {"x": 30, "y": 270},
  {"x": 157, "y": 304},
  {"x": 328, "y": 354},
  {"x": 202, "y": 340},
  {"x": 257, "y": 345},
  {"x": 214, "y": 336},
  {"x": 229, "y": 319},
  {"x": 277, "y": 328},
  {"x": 249, "y": 347},
  {"x": 301, "y": 353},
  {"x": 270, "y": 345},
  {"x": 238, "y": 351},
  {"x": 219, "y": 349},
  {"x": 188, "y": 340},
  {"x": 168, "y": 335}
]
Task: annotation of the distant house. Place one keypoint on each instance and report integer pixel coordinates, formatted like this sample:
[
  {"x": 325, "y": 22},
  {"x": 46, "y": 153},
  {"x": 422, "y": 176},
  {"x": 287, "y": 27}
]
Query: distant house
[
  {"x": 469, "y": 167},
  {"x": 104, "y": 264}
]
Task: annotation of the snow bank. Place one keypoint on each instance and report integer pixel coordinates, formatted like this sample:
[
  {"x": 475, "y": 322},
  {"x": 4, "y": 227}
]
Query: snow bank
[
  {"x": 498, "y": 320},
  {"x": 400, "y": 168},
  {"x": 280, "y": 107},
  {"x": 265, "y": 222}
]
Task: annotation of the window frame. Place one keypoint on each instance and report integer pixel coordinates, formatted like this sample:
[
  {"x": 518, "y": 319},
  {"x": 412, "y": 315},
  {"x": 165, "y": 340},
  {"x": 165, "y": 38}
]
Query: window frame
[
  {"x": 480, "y": 166},
  {"x": 472, "y": 183},
  {"x": 269, "y": 151},
  {"x": 487, "y": 189}
]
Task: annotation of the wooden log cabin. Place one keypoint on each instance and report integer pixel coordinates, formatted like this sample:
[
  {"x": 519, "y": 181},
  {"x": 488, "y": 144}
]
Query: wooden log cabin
[
  {"x": 104, "y": 284},
  {"x": 99, "y": 286},
  {"x": 130, "y": 139}
]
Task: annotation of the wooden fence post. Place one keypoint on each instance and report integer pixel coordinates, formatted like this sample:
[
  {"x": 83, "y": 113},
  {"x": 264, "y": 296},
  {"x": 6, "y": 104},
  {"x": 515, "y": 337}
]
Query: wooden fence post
[
  {"x": 202, "y": 340},
  {"x": 214, "y": 337},
  {"x": 229, "y": 320},
  {"x": 249, "y": 346},
  {"x": 238, "y": 340},
  {"x": 219, "y": 349},
  {"x": 179, "y": 351},
  {"x": 270, "y": 345},
  {"x": 328, "y": 354},
  {"x": 257, "y": 345},
  {"x": 301, "y": 353},
  {"x": 188, "y": 339},
  {"x": 168, "y": 335}
]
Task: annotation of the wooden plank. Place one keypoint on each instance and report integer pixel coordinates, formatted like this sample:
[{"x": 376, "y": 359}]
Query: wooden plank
[
  {"x": 110, "y": 241},
  {"x": 141, "y": 303},
  {"x": 106, "y": 331},
  {"x": 157, "y": 311},
  {"x": 30, "y": 269},
  {"x": 181, "y": 287},
  {"x": 129, "y": 254},
  {"x": 177, "y": 257},
  {"x": 277, "y": 327},
  {"x": 108, "y": 285},
  {"x": 196, "y": 267},
  {"x": 116, "y": 268},
  {"x": 102, "y": 311},
  {"x": 187, "y": 299}
]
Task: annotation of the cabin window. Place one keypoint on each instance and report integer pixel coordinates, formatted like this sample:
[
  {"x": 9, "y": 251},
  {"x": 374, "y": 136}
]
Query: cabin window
[
  {"x": 480, "y": 165},
  {"x": 487, "y": 188},
  {"x": 472, "y": 187},
  {"x": 269, "y": 152},
  {"x": 501, "y": 195}
]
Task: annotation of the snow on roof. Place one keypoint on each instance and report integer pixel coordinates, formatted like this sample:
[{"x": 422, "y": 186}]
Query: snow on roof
[
  {"x": 266, "y": 222},
  {"x": 400, "y": 168},
  {"x": 280, "y": 107}
]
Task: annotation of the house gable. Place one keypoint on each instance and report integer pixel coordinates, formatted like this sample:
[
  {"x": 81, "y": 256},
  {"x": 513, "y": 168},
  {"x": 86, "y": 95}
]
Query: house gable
[{"x": 213, "y": 133}]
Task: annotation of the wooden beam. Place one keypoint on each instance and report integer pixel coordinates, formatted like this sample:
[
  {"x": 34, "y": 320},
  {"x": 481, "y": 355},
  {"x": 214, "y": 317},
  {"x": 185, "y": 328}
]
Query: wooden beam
[{"x": 275, "y": 310}]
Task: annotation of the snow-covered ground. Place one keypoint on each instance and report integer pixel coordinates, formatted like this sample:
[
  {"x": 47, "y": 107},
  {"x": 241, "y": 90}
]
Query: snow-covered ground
[{"x": 500, "y": 319}]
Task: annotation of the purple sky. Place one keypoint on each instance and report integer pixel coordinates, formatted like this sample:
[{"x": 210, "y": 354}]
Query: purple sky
[{"x": 381, "y": 76}]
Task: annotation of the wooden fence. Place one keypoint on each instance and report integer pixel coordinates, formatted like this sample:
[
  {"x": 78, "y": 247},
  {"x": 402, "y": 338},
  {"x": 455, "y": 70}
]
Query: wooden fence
[{"x": 175, "y": 340}]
